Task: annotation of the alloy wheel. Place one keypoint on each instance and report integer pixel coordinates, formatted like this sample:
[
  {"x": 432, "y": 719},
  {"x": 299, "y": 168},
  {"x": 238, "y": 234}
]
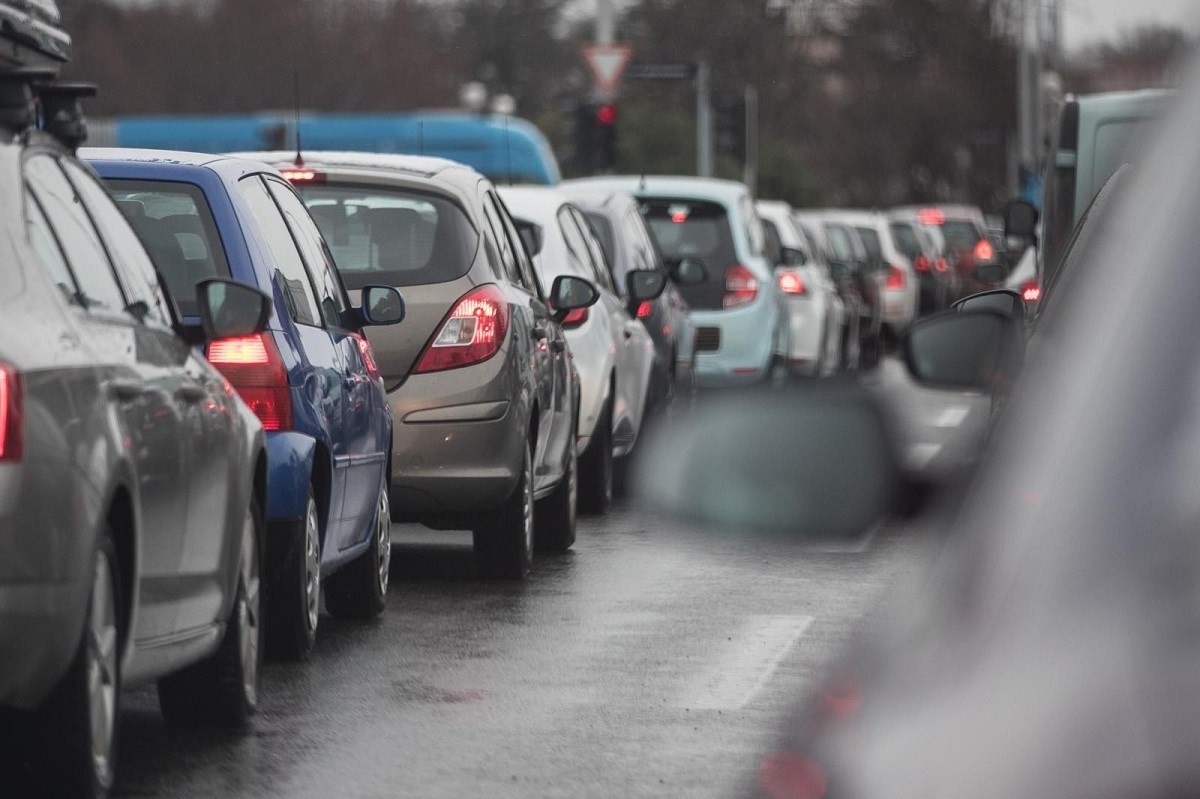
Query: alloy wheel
[
  {"x": 102, "y": 669},
  {"x": 312, "y": 565},
  {"x": 249, "y": 609},
  {"x": 383, "y": 534}
]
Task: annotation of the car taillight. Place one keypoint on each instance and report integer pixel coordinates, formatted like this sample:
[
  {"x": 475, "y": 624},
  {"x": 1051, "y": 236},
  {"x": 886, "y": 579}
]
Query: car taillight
[
  {"x": 253, "y": 366},
  {"x": 645, "y": 309},
  {"x": 895, "y": 278},
  {"x": 1031, "y": 291},
  {"x": 11, "y": 403},
  {"x": 302, "y": 175},
  {"x": 741, "y": 287},
  {"x": 922, "y": 263},
  {"x": 792, "y": 284},
  {"x": 942, "y": 265},
  {"x": 575, "y": 318},
  {"x": 984, "y": 251},
  {"x": 368, "y": 355},
  {"x": 472, "y": 332}
]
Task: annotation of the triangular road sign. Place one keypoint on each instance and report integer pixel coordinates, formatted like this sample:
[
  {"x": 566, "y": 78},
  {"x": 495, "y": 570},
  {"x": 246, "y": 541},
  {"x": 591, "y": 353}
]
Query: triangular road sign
[{"x": 607, "y": 63}]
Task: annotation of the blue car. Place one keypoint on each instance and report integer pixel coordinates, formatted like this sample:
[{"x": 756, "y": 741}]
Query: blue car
[{"x": 310, "y": 377}]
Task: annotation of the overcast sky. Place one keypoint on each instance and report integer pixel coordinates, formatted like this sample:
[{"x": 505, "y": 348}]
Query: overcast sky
[{"x": 1085, "y": 21}]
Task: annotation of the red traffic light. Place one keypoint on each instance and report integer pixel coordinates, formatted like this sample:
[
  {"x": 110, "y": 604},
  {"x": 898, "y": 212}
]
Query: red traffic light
[{"x": 607, "y": 114}]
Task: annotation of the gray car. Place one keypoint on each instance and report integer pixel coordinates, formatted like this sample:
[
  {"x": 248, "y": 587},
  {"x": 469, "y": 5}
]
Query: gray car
[
  {"x": 131, "y": 481},
  {"x": 484, "y": 395}
]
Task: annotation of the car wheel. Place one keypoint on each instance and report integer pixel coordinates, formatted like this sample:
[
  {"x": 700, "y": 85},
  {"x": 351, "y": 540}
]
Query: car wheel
[
  {"x": 73, "y": 741},
  {"x": 223, "y": 689},
  {"x": 359, "y": 591},
  {"x": 504, "y": 538},
  {"x": 596, "y": 467},
  {"x": 554, "y": 527},
  {"x": 294, "y": 595}
]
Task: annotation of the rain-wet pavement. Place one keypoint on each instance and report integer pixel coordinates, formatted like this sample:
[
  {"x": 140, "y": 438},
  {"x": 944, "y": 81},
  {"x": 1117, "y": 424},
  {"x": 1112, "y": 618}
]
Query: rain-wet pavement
[{"x": 643, "y": 663}]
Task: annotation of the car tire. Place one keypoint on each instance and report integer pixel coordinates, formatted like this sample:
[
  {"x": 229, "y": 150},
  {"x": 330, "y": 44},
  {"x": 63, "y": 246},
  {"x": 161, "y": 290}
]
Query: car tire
[
  {"x": 596, "y": 467},
  {"x": 72, "y": 744},
  {"x": 504, "y": 538},
  {"x": 359, "y": 591},
  {"x": 294, "y": 593},
  {"x": 555, "y": 518},
  {"x": 223, "y": 689}
]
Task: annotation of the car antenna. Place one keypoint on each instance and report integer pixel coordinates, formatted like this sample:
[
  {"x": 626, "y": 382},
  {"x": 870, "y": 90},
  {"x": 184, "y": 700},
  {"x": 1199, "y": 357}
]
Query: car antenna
[
  {"x": 299, "y": 162},
  {"x": 642, "y": 182}
]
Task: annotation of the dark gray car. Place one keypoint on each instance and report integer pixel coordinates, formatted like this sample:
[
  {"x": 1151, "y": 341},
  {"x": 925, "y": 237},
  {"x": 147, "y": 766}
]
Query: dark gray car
[
  {"x": 484, "y": 396},
  {"x": 131, "y": 481}
]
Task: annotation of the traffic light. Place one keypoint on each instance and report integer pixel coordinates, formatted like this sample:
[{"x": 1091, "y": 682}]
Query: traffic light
[{"x": 596, "y": 138}]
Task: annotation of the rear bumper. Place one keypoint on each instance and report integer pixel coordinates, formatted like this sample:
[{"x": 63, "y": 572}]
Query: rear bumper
[{"x": 747, "y": 344}]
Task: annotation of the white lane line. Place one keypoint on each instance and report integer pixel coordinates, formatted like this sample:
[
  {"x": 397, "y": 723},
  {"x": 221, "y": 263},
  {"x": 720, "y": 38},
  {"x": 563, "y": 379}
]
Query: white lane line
[{"x": 746, "y": 663}]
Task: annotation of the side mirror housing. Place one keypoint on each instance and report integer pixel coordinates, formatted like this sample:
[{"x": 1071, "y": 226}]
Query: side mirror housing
[
  {"x": 1020, "y": 221},
  {"x": 569, "y": 293},
  {"x": 689, "y": 272},
  {"x": 645, "y": 284},
  {"x": 382, "y": 305},
  {"x": 1005, "y": 301},
  {"x": 229, "y": 309},
  {"x": 531, "y": 234},
  {"x": 978, "y": 350},
  {"x": 794, "y": 257}
]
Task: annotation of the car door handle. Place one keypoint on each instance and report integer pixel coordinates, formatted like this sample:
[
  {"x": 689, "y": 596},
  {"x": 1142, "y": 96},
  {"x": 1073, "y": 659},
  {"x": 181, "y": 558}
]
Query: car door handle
[
  {"x": 126, "y": 390},
  {"x": 190, "y": 393}
]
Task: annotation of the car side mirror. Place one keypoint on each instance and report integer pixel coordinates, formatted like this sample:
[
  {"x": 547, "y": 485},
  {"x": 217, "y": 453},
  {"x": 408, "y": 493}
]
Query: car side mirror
[
  {"x": 794, "y": 257},
  {"x": 645, "y": 284},
  {"x": 569, "y": 293},
  {"x": 530, "y": 233},
  {"x": 973, "y": 350},
  {"x": 229, "y": 309},
  {"x": 813, "y": 463},
  {"x": 689, "y": 272},
  {"x": 1020, "y": 221},
  {"x": 382, "y": 305},
  {"x": 1006, "y": 301}
]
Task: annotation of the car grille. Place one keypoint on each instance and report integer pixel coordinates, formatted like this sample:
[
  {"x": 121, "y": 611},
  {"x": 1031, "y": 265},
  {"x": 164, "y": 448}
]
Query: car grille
[{"x": 708, "y": 339}]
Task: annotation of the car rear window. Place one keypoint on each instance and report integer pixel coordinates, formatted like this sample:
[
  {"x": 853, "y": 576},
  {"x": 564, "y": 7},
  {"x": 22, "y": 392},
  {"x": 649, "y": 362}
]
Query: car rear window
[
  {"x": 694, "y": 229},
  {"x": 176, "y": 225},
  {"x": 906, "y": 240},
  {"x": 870, "y": 239},
  {"x": 961, "y": 234},
  {"x": 400, "y": 237}
]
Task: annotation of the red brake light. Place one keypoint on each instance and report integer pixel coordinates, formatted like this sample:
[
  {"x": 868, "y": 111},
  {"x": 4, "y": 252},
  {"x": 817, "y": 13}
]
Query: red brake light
[
  {"x": 575, "y": 318},
  {"x": 645, "y": 309},
  {"x": 942, "y": 265},
  {"x": 368, "y": 355},
  {"x": 253, "y": 366},
  {"x": 472, "y": 332},
  {"x": 1031, "y": 291},
  {"x": 302, "y": 176},
  {"x": 932, "y": 216},
  {"x": 11, "y": 403},
  {"x": 791, "y": 283},
  {"x": 606, "y": 114},
  {"x": 984, "y": 251},
  {"x": 741, "y": 287},
  {"x": 895, "y": 278},
  {"x": 922, "y": 263}
]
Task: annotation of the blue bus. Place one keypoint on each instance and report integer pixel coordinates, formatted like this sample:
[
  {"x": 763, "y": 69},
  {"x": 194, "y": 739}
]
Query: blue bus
[{"x": 505, "y": 149}]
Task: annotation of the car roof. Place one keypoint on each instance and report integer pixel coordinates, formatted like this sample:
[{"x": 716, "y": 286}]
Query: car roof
[
  {"x": 727, "y": 192},
  {"x": 1143, "y": 101},
  {"x": 421, "y": 165},
  {"x": 597, "y": 199},
  {"x": 541, "y": 202},
  {"x": 172, "y": 160}
]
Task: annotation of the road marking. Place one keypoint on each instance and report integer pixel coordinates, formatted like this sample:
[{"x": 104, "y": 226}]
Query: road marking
[{"x": 747, "y": 663}]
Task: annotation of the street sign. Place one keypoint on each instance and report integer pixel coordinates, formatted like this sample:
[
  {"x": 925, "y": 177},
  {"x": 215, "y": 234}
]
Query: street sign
[
  {"x": 661, "y": 71},
  {"x": 607, "y": 64}
]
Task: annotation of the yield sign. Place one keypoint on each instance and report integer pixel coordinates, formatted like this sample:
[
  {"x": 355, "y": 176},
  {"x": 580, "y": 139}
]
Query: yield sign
[{"x": 607, "y": 63}]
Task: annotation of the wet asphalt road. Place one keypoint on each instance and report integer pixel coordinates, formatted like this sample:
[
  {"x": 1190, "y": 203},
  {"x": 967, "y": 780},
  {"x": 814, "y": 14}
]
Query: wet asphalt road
[{"x": 646, "y": 662}]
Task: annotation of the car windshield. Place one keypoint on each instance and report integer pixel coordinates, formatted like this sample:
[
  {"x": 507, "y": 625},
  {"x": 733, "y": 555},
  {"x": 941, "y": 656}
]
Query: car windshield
[
  {"x": 392, "y": 236},
  {"x": 175, "y": 223},
  {"x": 960, "y": 234}
]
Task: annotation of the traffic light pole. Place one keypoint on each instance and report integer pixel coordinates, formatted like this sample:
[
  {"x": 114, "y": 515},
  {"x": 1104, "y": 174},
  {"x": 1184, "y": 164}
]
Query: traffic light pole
[
  {"x": 750, "y": 171},
  {"x": 704, "y": 121}
]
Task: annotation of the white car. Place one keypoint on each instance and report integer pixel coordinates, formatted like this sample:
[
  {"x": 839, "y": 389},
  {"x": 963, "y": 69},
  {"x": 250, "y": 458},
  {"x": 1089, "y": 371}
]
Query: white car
[
  {"x": 901, "y": 290},
  {"x": 815, "y": 312},
  {"x": 611, "y": 349}
]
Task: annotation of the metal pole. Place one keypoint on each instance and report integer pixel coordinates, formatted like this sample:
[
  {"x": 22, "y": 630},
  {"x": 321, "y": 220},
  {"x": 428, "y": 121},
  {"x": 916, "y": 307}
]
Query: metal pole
[
  {"x": 1024, "y": 98},
  {"x": 606, "y": 22},
  {"x": 704, "y": 121},
  {"x": 750, "y": 174}
]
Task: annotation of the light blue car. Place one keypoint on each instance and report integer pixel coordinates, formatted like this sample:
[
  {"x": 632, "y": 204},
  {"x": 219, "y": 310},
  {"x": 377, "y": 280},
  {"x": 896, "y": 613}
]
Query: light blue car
[{"x": 741, "y": 326}]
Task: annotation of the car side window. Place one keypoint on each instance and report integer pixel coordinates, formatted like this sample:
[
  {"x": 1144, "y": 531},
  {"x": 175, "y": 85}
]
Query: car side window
[
  {"x": 577, "y": 253},
  {"x": 290, "y": 274},
  {"x": 524, "y": 263},
  {"x": 507, "y": 258},
  {"x": 645, "y": 255},
  {"x": 774, "y": 243},
  {"x": 141, "y": 278},
  {"x": 41, "y": 237},
  {"x": 601, "y": 270},
  {"x": 754, "y": 226},
  {"x": 73, "y": 228},
  {"x": 330, "y": 293}
]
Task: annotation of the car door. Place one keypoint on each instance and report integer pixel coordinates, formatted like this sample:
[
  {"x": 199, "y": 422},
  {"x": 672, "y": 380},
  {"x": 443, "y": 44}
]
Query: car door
[
  {"x": 362, "y": 442},
  {"x": 141, "y": 366},
  {"x": 322, "y": 369}
]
